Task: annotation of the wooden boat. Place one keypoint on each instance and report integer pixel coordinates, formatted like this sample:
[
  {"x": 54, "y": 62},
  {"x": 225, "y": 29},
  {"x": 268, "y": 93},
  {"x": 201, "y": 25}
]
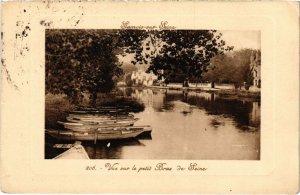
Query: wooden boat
[
  {"x": 99, "y": 111},
  {"x": 100, "y": 116},
  {"x": 97, "y": 119},
  {"x": 77, "y": 151},
  {"x": 85, "y": 127},
  {"x": 94, "y": 125},
  {"x": 93, "y": 136},
  {"x": 89, "y": 120},
  {"x": 102, "y": 107},
  {"x": 146, "y": 129},
  {"x": 95, "y": 122}
]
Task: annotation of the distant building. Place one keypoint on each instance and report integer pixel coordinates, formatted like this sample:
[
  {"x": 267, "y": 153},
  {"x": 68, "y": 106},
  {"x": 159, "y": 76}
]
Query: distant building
[
  {"x": 140, "y": 77},
  {"x": 255, "y": 66}
]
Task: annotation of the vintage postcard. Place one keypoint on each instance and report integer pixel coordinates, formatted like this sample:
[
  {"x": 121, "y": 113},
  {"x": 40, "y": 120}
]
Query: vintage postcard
[{"x": 150, "y": 97}]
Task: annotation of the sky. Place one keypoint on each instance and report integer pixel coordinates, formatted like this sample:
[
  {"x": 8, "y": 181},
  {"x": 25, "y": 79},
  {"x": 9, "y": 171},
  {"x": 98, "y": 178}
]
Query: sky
[{"x": 242, "y": 39}]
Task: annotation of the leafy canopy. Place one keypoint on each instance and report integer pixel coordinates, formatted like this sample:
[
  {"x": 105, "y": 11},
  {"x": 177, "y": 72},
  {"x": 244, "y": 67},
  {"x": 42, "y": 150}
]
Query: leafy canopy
[
  {"x": 80, "y": 61},
  {"x": 233, "y": 67},
  {"x": 184, "y": 54}
]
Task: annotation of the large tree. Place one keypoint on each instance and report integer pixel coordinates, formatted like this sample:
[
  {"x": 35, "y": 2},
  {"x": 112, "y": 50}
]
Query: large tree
[
  {"x": 80, "y": 61},
  {"x": 234, "y": 67},
  {"x": 183, "y": 55}
]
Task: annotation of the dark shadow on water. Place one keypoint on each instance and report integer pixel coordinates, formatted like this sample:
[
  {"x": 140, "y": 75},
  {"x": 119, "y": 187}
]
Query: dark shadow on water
[
  {"x": 242, "y": 113},
  {"x": 166, "y": 107},
  {"x": 215, "y": 123},
  {"x": 245, "y": 114},
  {"x": 109, "y": 149},
  {"x": 145, "y": 136}
]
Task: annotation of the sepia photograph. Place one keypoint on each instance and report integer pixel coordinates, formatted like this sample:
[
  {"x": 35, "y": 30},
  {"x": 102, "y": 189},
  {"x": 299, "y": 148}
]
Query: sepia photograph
[
  {"x": 178, "y": 97},
  {"x": 141, "y": 92}
]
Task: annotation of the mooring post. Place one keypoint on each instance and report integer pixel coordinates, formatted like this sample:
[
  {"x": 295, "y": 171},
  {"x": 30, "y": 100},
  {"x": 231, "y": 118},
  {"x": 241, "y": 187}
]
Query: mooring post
[
  {"x": 58, "y": 134},
  {"x": 96, "y": 136}
]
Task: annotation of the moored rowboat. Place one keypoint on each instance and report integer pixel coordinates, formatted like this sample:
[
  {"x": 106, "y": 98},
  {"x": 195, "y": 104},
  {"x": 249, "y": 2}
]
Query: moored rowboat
[
  {"x": 145, "y": 129},
  {"x": 97, "y": 119},
  {"x": 99, "y": 111},
  {"x": 102, "y": 107},
  {"x": 89, "y": 120},
  {"x": 94, "y": 125},
  {"x": 100, "y": 116},
  {"x": 80, "y": 127},
  {"x": 92, "y": 136},
  {"x": 75, "y": 152}
]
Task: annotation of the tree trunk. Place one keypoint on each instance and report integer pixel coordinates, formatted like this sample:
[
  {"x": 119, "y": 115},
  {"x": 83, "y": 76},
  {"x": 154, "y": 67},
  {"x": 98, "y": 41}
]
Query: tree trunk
[
  {"x": 93, "y": 99},
  {"x": 186, "y": 83},
  {"x": 75, "y": 97}
]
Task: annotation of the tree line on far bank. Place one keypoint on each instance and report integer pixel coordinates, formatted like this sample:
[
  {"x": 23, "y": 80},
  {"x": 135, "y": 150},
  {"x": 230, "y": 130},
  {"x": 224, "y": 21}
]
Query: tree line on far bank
[
  {"x": 87, "y": 61},
  {"x": 232, "y": 68}
]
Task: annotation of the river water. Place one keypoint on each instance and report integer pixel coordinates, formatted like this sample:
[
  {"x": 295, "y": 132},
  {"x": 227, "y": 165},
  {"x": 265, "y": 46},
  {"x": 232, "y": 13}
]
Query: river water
[{"x": 186, "y": 126}]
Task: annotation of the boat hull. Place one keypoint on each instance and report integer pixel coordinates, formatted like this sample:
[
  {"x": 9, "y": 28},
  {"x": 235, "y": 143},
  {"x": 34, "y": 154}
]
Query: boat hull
[
  {"x": 92, "y": 136},
  {"x": 100, "y": 116},
  {"x": 96, "y": 120},
  {"x": 75, "y": 152},
  {"x": 95, "y": 126}
]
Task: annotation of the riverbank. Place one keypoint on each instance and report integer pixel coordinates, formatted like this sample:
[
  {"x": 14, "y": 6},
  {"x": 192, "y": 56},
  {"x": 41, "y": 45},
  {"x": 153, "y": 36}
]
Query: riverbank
[
  {"x": 239, "y": 94},
  {"x": 203, "y": 120},
  {"x": 226, "y": 93},
  {"x": 56, "y": 106}
]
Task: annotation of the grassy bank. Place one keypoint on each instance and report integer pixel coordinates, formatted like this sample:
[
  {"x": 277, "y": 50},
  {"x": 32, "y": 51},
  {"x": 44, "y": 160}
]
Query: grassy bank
[
  {"x": 57, "y": 105},
  {"x": 55, "y": 108}
]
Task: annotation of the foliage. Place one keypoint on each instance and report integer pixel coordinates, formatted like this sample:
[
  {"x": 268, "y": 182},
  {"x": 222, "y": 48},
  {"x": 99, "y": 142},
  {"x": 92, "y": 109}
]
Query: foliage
[
  {"x": 184, "y": 54},
  {"x": 234, "y": 67},
  {"x": 127, "y": 69},
  {"x": 56, "y": 105},
  {"x": 80, "y": 61}
]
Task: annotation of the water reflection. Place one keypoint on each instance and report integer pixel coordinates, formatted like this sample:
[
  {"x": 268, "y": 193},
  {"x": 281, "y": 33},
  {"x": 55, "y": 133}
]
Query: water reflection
[
  {"x": 187, "y": 126},
  {"x": 195, "y": 125},
  {"x": 245, "y": 114},
  {"x": 110, "y": 149},
  {"x": 254, "y": 116}
]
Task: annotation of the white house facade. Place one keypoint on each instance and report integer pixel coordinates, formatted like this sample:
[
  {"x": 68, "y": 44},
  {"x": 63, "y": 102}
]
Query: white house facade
[{"x": 140, "y": 77}]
